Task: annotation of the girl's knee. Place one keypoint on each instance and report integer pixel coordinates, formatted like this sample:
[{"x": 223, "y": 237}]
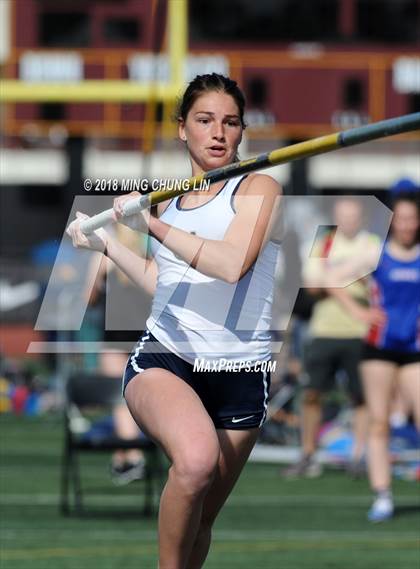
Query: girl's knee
[
  {"x": 196, "y": 468},
  {"x": 379, "y": 428}
]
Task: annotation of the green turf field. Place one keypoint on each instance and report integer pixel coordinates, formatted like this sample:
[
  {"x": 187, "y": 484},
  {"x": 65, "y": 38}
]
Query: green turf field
[{"x": 268, "y": 523}]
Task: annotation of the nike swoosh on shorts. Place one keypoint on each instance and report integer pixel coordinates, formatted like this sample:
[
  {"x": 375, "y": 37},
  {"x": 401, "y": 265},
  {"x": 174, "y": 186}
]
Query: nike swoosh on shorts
[{"x": 241, "y": 419}]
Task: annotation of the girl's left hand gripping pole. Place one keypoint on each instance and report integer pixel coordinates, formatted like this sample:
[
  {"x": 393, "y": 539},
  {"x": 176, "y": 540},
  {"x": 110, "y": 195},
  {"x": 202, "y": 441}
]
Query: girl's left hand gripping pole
[{"x": 130, "y": 208}]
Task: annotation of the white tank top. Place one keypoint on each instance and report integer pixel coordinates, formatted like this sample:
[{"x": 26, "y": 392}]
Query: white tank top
[{"x": 197, "y": 316}]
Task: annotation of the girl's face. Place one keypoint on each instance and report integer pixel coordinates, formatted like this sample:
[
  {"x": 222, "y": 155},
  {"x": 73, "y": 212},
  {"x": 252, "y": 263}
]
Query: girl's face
[
  {"x": 405, "y": 223},
  {"x": 212, "y": 131}
]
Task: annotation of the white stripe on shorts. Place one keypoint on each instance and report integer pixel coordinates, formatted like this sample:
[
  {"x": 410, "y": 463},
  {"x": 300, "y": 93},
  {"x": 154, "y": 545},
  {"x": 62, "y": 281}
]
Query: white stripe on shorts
[
  {"x": 265, "y": 397},
  {"x": 136, "y": 353}
]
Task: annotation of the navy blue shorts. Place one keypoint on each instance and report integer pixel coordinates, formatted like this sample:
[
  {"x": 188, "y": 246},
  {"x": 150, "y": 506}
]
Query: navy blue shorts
[{"x": 233, "y": 399}]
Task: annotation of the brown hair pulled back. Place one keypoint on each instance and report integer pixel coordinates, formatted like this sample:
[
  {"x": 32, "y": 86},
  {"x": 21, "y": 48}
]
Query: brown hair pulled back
[{"x": 206, "y": 83}]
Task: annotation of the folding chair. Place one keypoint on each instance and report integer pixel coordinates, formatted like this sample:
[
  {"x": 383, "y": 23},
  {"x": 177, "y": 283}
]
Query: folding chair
[{"x": 98, "y": 394}]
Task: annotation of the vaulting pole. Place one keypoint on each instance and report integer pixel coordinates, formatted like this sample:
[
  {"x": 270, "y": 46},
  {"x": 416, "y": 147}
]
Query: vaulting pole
[{"x": 312, "y": 147}]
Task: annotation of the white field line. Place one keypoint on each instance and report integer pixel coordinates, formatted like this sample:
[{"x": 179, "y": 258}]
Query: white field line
[
  {"x": 251, "y": 500},
  {"x": 262, "y": 453},
  {"x": 220, "y": 535},
  {"x": 276, "y": 454}
]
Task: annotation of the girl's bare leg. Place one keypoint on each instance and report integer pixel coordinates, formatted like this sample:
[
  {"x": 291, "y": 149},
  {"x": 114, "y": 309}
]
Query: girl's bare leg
[
  {"x": 360, "y": 429},
  {"x": 168, "y": 409},
  {"x": 378, "y": 379},
  {"x": 409, "y": 382},
  {"x": 235, "y": 447}
]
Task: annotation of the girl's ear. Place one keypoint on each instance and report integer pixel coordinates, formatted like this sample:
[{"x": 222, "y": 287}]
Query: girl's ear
[{"x": 181, "y": 130}]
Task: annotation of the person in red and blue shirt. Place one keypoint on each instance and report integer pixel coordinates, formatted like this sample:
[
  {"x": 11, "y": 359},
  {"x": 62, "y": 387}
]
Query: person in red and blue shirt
[
  {"x": 395, "y": 289},
  {"x": 392, "y": 346},
  {"x": 391, "y": 352}
]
